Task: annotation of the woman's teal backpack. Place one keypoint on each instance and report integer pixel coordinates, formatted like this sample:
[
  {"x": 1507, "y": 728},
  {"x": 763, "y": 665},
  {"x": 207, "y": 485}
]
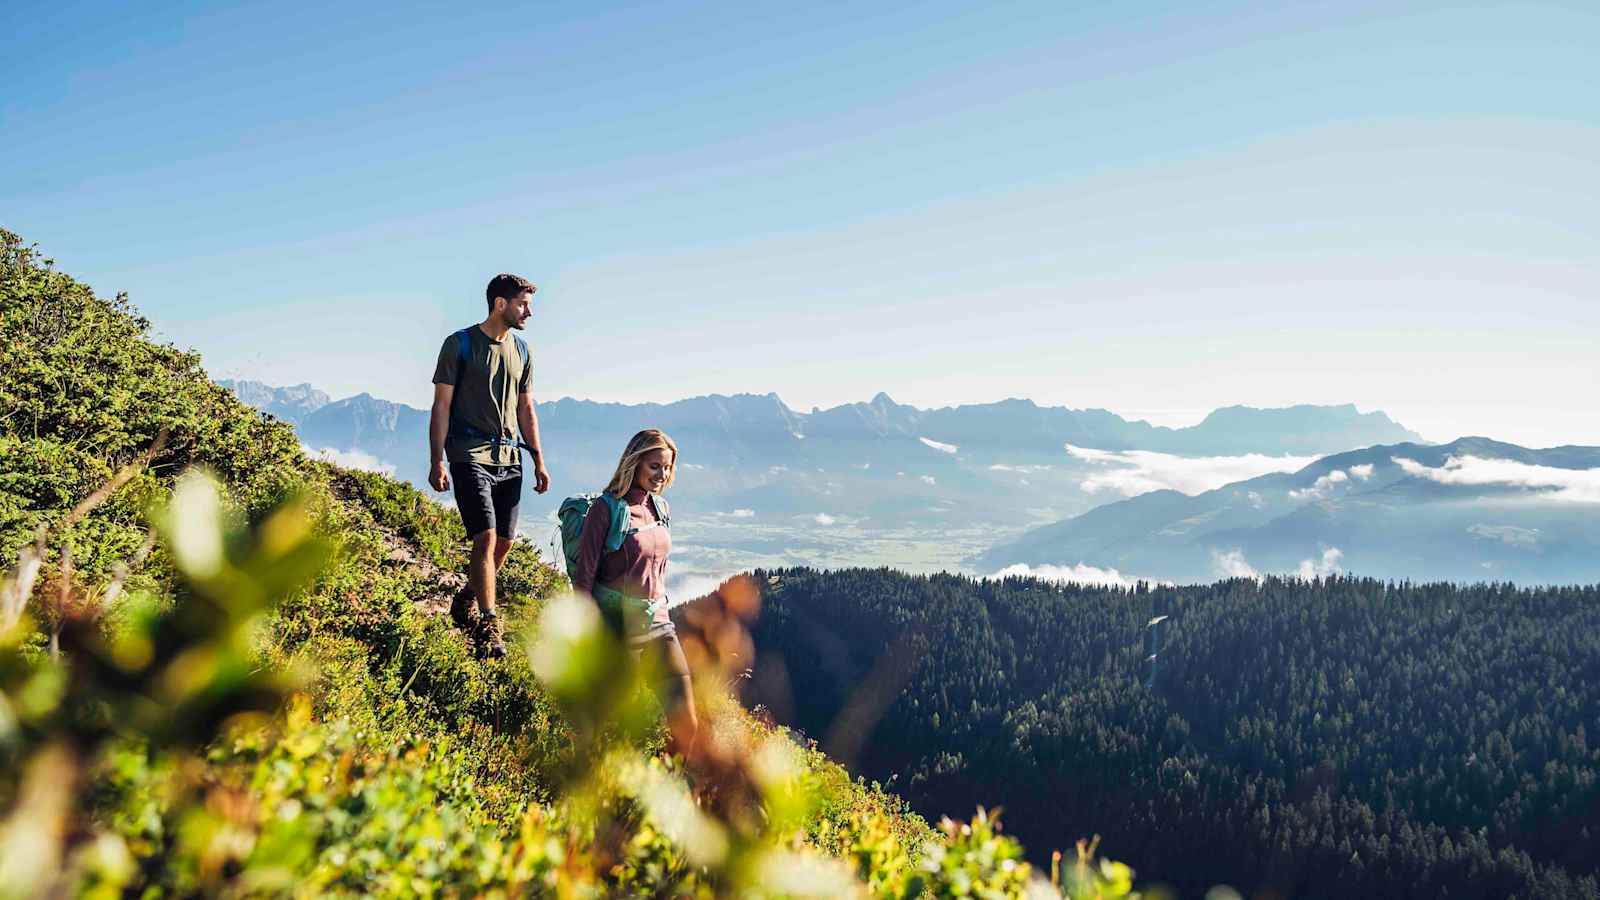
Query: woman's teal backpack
[
  {"x": 627, "y": 616},
  {"x": 575, "y": 509}
]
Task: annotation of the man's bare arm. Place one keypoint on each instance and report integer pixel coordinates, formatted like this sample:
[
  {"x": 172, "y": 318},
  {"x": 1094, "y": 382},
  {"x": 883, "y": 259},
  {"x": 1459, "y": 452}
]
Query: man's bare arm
[
  {"x": 528, "y": 421},
  {"x": 438, "y": 427}
]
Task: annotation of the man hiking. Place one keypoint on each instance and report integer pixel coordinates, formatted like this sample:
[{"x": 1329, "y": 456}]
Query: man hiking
[{"x": 482, "y": 398}]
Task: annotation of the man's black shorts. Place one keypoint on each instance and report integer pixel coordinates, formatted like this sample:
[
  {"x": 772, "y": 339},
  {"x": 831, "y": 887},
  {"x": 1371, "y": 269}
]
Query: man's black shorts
[{"x": 487, "y": 497}]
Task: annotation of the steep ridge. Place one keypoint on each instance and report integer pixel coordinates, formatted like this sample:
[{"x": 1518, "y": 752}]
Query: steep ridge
[{"x": 274, "y": 705}]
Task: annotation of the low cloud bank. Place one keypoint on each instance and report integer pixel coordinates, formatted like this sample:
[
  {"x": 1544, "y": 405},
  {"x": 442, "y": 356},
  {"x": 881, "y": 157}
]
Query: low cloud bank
[
  {"x": 1322, "y": 487},
  {"x": 1232, "y": 564},
  {"x": 1078, "y": 574},
  {"x": 691, "y": 586},
  {"x": 1134, "y": 472},
  {"x": 1570, "y": 485},
  {"x": 350, "y": 459},
  {"x": 942, "y": 448},
  {"x": 1328, "y": 565}
]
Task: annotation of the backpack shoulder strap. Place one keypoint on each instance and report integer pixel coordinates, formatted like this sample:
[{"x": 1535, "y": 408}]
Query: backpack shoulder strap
[
  {"x": 663, "y": 511},
  {"x": 522, "y": 352},
  {"x": 619, "y": 521},
  {"x": 464, "y": 349},
  {"x": 463, "y": 357}
]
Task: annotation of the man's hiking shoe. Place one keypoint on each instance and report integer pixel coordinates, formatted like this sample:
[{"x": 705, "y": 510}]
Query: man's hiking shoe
[
  {"x": 464, "y": 611},
  {"x": 488, "y": 638}
]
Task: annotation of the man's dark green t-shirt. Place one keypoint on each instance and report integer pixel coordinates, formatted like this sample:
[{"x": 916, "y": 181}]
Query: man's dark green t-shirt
[{"x": 485, "y": 396}]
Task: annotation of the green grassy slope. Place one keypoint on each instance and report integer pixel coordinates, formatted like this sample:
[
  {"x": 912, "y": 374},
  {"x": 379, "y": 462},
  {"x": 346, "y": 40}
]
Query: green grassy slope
[{"x": 244, "y": 686}]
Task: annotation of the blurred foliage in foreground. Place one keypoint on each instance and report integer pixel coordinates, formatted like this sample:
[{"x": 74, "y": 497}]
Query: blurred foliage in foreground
[{"x": 232, "y": 684}]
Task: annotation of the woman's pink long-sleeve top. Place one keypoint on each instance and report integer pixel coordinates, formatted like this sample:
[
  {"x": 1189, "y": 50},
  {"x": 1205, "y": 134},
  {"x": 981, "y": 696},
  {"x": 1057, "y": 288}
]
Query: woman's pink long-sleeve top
[{"x": 639, "y": 567}]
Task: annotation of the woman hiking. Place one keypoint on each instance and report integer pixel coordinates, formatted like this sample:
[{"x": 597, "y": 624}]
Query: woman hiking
[{"x": 622, "y": 564}]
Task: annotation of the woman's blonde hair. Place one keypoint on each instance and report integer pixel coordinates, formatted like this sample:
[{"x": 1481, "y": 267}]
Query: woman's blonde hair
[{"x": 642, "y": 443}]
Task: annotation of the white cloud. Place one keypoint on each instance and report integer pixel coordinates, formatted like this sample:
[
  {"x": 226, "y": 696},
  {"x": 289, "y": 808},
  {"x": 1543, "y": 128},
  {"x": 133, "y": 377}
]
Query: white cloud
[
  {"x": 1232, "y": 564},
  {"x": 1090, "y": 454},
  {"x": 1002, "y": 467},
  {"x": 1328, "y": 565},
  {"x": 351, "y": 459},
  {"x": 929, "y": 479},
  {"x": 1134, "y": 472},
  {"x": 1079, "y": 574},
  {"x": 689, "y": 586},
  {"x": 1571, "y": 485},
  {"x": 824, "y": 519},
  {"x": 1363, "y": 471},
  {"x": 1509, "y": 534},
  {"x": 743, "y": 514},
  {"x": 1323, "y": 486},
  {"x": 942, "y": 448}
]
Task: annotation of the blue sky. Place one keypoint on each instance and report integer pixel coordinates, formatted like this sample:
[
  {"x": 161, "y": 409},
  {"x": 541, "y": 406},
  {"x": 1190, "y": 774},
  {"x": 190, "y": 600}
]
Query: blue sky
[{"x": 1154, "y": 208}]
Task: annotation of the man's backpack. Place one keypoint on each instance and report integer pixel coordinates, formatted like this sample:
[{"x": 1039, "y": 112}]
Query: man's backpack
[
  {"x": 574, "y": 510},
  {"x": 459, "y": 427}
]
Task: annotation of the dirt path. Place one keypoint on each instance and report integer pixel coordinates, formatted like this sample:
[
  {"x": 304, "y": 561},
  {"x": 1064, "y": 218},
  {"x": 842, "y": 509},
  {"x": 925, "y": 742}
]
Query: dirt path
[{"x": 438, "y": 585}]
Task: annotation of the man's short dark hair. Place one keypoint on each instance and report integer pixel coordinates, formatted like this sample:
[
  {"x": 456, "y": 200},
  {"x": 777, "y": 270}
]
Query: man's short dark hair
[{"x": 508, "y": 286}]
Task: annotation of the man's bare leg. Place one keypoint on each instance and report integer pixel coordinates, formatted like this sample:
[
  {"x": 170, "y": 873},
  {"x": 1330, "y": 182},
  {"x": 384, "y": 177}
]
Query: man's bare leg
[
  {"x": 487, "y": 557},
  {"x": 482, "y": 568}
]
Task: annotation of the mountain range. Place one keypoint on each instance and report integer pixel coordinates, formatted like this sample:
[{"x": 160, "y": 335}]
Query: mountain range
[
  {"x": 1470, "y": 510},
  {"x": 991, "y": 487},
  {"x": 291, "y": 404},
  {"x": 764, "y": 423},
  {"x": 994, "y": 467}
]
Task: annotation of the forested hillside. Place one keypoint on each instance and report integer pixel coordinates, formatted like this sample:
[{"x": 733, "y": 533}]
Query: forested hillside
[
  {"x": 223, "y": 673},
  {"x": 1336, "y": 737}
]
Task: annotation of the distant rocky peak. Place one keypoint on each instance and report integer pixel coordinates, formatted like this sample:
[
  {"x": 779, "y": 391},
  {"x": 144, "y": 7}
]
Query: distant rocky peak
[{"x": 290, "y": 404}]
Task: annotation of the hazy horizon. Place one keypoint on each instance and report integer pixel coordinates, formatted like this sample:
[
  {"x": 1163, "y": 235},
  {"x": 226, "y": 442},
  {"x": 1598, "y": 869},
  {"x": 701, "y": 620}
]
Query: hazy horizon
[{"x": 1163, "y": 418}]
